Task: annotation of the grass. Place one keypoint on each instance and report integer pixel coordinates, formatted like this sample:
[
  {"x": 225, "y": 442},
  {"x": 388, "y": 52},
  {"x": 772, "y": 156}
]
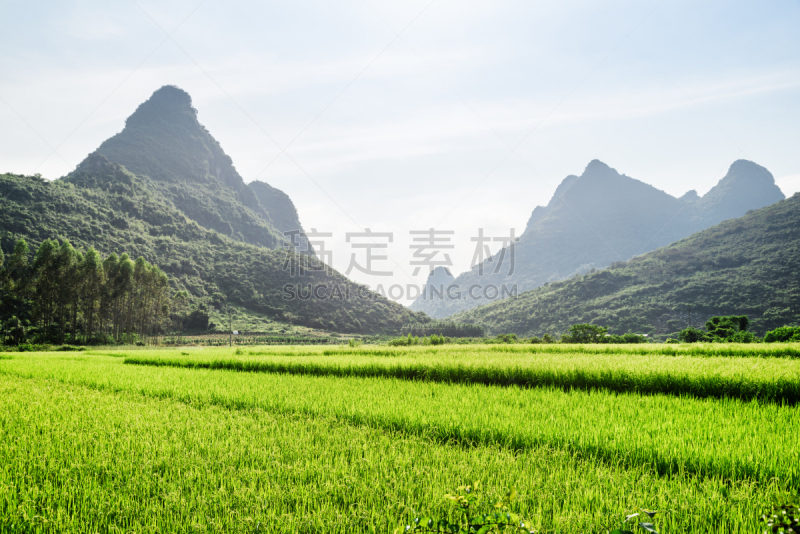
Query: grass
[
  {"x": 767, "y": 379},
  {"x": 88, "y": 443},
  {"x": 707, "y": 437},
  {"x": 78, "y": 460}
]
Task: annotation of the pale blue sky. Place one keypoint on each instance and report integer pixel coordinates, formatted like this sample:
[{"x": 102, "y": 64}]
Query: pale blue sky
[{"x": 416, "y": 131}]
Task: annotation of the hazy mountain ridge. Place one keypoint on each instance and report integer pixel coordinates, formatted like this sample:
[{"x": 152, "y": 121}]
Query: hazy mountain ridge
[
  {"x": 602, "y": 217},
  {"x": 745, "y": 266}
]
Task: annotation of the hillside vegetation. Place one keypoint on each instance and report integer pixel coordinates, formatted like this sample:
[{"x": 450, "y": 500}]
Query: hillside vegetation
[
  {"x": 746, "y": 266},
  {"x": 104, "y": 206}
]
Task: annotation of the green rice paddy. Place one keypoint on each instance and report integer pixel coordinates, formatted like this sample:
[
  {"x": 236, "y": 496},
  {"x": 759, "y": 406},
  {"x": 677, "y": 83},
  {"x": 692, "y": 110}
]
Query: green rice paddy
[{"x": 315, "y": 439}]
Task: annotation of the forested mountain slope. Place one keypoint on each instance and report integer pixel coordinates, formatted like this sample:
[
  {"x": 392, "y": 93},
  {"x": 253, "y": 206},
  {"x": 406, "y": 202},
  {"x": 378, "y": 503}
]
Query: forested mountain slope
[
  {"x": 601, "y": 217},
  {"x": 103, "y": 205},
  {"x": 745, "y": 266}
]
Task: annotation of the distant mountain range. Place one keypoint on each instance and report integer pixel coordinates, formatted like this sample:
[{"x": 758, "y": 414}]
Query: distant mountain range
[
  {"x": 744, "y": 266},
  {"x": 164, "y": 189},
  {"x": 599, "y": 218}
]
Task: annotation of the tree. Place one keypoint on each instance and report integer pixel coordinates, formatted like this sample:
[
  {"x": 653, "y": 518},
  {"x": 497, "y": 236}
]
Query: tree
[
  {"x": 730, "y": 328},
  {"x": 585, "y": 333},
  {"x": 17, "y": 284},
  {"x": 45, "y": 282},
  {"x": 727, "y": 326},
  {"x": 15, "y": 329},
  {"x": 783, "y": 334},
  {"x": 92, "y": 282}
]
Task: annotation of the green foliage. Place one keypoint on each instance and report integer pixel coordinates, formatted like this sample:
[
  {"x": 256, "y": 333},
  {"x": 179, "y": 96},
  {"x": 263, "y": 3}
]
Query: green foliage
[
  {"x": 729, "y": 329},
  {"x": 724, "y": 270},
  {"x": 628, "y": 337},
  {"x": 15, "y": 332},
  {"x": 590, "y": 333},
  {"x": 693, "y": 335},
  {"x": 444, "y": 328},
  {"x": 645, "y": 525},
  {"x": 784, "y": 519},
  {"x": 473, "y": 513},
  {"x": 584, "y": 333},
  {"x": 784, "y": 334},
  {"x": 409, "y": 341}
]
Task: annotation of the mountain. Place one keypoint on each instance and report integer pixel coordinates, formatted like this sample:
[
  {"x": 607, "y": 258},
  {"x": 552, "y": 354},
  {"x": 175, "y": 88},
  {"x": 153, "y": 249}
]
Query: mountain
[
  {"x": 745, "y": 266},
  {"x": 187, "y": 210},
  {"x": 602, "y": 217},
  {"x": 278, "y": 205},
  {"x": 164, "y": 141},
  {"x": 435, "y": 293}
]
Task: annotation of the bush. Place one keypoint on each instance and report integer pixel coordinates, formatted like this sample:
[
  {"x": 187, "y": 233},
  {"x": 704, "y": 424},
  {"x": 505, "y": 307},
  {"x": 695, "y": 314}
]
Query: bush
[
  {"x": 626, "y": 338},
  {"x": 506, "y": 338},
  {"x": 721, "y": 329},
  {"x": 725, "y": 327},
  {"x": 783, "y": 334},
  {"x": 693, "y": 335},
  {"x": 414, "y": 340},
  {"x": 671, "y": 340},
  {"x": 487, "y": 514},
  {"x": 585, "y": 333}
]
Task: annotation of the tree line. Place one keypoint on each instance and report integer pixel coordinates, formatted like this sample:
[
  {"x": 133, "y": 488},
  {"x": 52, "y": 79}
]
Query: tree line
[
  {"x": 443, "y": 328},
  {"x": 61, "y": 295}
]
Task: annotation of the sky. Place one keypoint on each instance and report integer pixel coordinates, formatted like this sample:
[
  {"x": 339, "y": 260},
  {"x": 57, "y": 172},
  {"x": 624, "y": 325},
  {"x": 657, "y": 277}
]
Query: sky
[{"x": 406, "y": 116}]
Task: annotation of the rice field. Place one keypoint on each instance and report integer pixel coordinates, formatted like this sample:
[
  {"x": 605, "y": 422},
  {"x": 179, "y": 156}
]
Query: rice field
[
  {"x": 774, "y": 379},
  {"x": 313, "y": 439}
]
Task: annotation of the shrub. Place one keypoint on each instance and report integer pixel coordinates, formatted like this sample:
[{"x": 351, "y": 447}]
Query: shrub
[
  {"x": 693, "y": 335},
  {"x": 783, "y": 334},
  {"x": 727, "y": 326},
  {"x": 473, "y": 513},
  {"x": 585, "y": 333}
]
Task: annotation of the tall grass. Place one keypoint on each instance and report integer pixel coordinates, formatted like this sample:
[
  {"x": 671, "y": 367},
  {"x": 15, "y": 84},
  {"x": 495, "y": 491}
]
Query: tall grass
[
  {"x": 747, "y": 442},
  {"x": 76, "y": 460},
  {"x": 772, "y": 380}
]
